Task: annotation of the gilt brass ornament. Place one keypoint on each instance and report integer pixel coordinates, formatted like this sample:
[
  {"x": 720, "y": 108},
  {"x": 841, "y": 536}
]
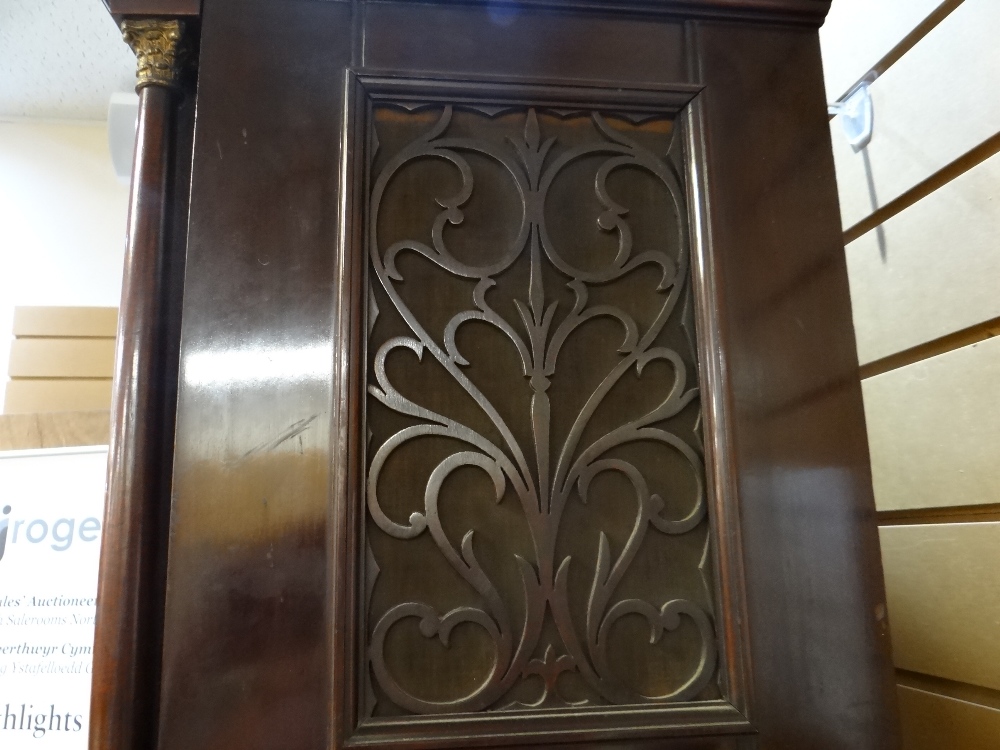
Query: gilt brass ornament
[{"x": 159, "y": 50}]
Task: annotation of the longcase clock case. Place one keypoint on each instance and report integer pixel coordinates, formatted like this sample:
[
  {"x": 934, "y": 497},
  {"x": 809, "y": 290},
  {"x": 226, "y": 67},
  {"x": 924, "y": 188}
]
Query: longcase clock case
[{"x": 517, "y": 401}]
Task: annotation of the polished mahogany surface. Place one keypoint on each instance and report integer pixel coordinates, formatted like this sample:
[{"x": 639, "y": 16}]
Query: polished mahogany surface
[
  {"x": 246, "y": 644},
  {"x": 264, "y": 622},
  {"x": 819, "y": 635},
  {"x": 129, "y": 624},
  {"x": 541, "y": 312},
  {"x": 163, "y": 8}
]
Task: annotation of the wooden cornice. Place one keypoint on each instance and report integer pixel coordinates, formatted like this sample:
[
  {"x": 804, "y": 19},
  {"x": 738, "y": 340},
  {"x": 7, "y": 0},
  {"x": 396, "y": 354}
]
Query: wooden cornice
[
  {"x": 805, "y": 12},
  {"x": 120, "y": 9},
  {"x": 802, "y": 12}
]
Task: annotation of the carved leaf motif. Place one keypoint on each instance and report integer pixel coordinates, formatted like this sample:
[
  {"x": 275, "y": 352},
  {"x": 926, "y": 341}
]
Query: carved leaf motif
[{"x": 543, "y": 476}]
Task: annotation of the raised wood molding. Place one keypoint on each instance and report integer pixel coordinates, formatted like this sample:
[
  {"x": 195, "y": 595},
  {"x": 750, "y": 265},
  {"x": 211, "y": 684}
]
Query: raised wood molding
[
  {"x": 167, "y": 8},
  {"x": 692, "y": 712},
  {"x": 809, "y": 12}
]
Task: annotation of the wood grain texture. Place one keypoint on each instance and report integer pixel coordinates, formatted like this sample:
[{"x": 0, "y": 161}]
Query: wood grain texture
[
  {"x": 819, "y": 640},
  {"x": 54, "y": 430},
  {"x": 245, "y": 652},
  {"x": 128, "y": 629},
  {"x": 56, "y": 395},
  {"x": 528, "y": 42},
  {"x": 259, "y": 623},
  {"x": 67, "y": 322},
  {"x": 169, "y": 8},
  {"x": 930, "y": 428},
  {"x": 62, "y": 358},
  {"x": 803, "y": 12},
  {"x": 944, "y": 604},
  {"x": 859, "y": 33},
  {"x": 915, "y": 135},
  {"x": 935, "y": 722},
  {"x": 659, "y": 718},
  {"x": 806, "y": 12},
  {"x": 923, "y": 274}
]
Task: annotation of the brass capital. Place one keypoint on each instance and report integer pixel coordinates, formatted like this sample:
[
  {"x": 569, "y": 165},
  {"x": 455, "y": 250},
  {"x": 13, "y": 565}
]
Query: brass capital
[{"x": 159, "y": 50}]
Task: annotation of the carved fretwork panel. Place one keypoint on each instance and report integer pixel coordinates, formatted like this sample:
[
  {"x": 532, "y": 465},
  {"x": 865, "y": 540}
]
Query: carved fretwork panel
[{"x": 536, "y": 533}]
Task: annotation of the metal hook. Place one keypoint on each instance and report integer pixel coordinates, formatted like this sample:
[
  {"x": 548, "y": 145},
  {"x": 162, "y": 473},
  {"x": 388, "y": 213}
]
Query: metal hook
[{"x": 857, "y": 115}]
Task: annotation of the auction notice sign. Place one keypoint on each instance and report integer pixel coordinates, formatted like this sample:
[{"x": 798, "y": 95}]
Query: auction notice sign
[{"x": 51, "y": 511}]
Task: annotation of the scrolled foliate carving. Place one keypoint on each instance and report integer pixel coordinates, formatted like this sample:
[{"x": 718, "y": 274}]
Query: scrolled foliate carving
[
  {"x": 529, "y": 327},
  {"x": 159, "y": 50}
]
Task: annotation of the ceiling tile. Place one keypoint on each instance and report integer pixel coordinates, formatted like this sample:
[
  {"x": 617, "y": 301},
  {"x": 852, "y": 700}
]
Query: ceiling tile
[{"x": 60, "y": 59}]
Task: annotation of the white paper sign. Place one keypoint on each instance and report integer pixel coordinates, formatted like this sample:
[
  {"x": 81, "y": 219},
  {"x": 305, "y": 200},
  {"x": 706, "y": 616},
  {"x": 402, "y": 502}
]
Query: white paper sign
[{"x": 51, "y": 511}]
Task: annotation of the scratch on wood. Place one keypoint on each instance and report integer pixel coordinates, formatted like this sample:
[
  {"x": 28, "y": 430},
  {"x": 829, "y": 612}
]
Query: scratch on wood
[{"x": 292, "y": 431}]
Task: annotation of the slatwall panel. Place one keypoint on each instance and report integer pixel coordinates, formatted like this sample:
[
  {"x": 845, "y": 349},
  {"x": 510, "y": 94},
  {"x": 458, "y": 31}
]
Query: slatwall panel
[
  {"x": 931, "y": 107},
  {"x": 934, "y": 430},
  {"x": 61, "y": 359},
  {"x": 922, "y": 227},
  {"x": 859, "y": 33},
  {"x": 936, "y": 722},
  {"x": 944, "y": 601},
  {"x": 921, "y": 274},
  {"x": 78, "y": 322}
]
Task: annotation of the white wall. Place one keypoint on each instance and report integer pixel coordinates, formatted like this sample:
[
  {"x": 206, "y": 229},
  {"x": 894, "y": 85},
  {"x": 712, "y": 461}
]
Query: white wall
[{"x": 62, "y": 219}]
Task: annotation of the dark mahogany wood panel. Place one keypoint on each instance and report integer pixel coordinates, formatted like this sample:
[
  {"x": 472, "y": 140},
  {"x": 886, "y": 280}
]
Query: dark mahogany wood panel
[
  {"x": 572, "y": 125},
  {"x": 801, "y": 12},
  {"x": 245, "y": 644},
  {"x": 528, "y": 42},
  {"x": 263, "y": 624},
  {"x": 819, "y": 636},
  {"x": 188, "y": 9},
  {"x": 133, "y": 560}
]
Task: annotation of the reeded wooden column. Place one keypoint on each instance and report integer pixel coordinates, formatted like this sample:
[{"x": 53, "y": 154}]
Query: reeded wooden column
[{"x": 126, "y": 651}]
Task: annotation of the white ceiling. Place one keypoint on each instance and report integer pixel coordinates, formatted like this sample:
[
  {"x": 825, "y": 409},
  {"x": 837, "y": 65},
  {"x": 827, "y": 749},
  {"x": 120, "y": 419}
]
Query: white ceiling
[{"x": 60, "y": 59}]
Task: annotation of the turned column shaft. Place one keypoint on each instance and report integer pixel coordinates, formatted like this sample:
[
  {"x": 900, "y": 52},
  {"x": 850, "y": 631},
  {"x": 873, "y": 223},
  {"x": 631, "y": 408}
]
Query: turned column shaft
[{"x": 130, "y": 592}]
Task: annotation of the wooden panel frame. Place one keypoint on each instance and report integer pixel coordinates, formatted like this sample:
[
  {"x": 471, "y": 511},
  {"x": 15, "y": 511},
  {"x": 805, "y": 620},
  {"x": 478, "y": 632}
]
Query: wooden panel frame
[
  {"x": 254, "y": 667},
  {"x": 719, "y": 717}
]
